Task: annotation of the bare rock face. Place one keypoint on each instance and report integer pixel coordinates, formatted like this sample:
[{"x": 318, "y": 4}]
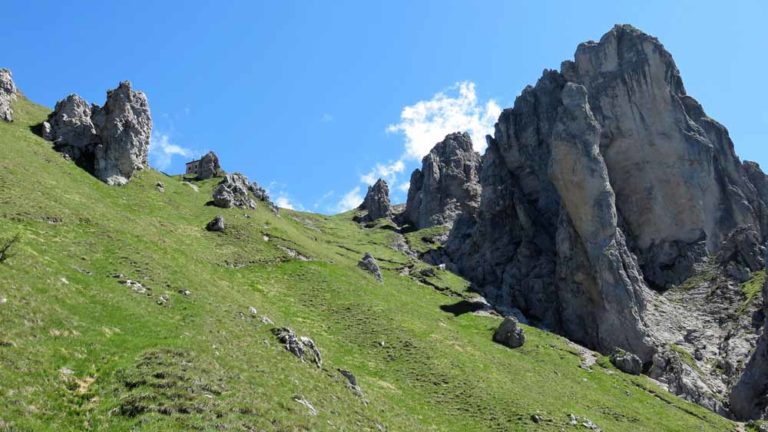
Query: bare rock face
[
  {"x": 233, "y": 191},
  {"x": 7, "y": 95},
  {"x": 742, "y": 253},
  {"x": 111, "y": 142},
  {"x": 209, "y": 166},
  {"x": 446, "y": 185},
  {"x": 603, "y": 180},
  {"x": 376, "y": 201}
]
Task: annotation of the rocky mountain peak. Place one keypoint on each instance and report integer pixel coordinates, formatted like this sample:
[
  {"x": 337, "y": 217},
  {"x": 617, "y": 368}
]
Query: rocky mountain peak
[
  {"x": 111, "y": 142},
  {"x": 7, "y": 94},
  {"x": 376, "y": 201},
  {"x": 604, "y": 186},
  {"x": 446, "y": 185}
]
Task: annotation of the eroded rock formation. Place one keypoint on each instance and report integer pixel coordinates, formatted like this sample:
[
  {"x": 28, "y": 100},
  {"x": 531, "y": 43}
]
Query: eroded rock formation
[
  {"x": 376, "y": 201},
  {"x": 7, "y": 94},
  {"x": 446, "y": 185},
  {"x": 208, "y": 166},
  {"x": 111, "y": 142}
]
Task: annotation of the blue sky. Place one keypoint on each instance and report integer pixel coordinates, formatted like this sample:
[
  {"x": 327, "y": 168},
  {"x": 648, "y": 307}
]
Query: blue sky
[{"x": 314, "y": 99}]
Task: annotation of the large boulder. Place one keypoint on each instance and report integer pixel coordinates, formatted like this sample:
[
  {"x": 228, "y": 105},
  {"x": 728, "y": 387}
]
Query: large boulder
[
  {"x": 233, "y": 191},
  {"x": 627, "y": 362},
  {"x": 446, "y": 185},
  {"x": 509, "y": 333},
  {"x": 376, "y": 201},
  {"x": 369, "y": 264},
  {"x": 7, "y": 94},
  {"x": 111, "y": 142}
]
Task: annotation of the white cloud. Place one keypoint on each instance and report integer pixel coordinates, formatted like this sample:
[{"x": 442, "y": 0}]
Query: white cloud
[
  {"x": 162, "y": 150},
  {"x": 387, "y": 172},
  {"x": 427, "y": 122},
  {"x": 326, "y": 118},
  {"x": 404, "y": 187},
  {"x": 284, "y": 202},
  {"x": 350, "y": 200}
]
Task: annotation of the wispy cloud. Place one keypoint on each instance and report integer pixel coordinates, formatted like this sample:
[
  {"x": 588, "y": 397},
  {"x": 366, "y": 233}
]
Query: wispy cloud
[
  {"x": 456, "y": 109},
  {"x": 387, "y": 172},
  {"x": 162, "y": 150},
  {"x": 350, "y": 200},
  {"x": 326, "y": 118}
]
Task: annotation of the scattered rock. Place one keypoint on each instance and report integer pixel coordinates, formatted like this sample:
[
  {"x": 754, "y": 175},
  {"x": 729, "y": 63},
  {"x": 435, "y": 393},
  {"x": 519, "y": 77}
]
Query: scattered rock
[
  {"x": 446, "y": 185},
  {"x": 536, "y": 418},
  {"x": 185, "y": 292},
  {"x": 627, "y": 362},
  {"x": 7, "y": 95},
  {"x": 160, "y": 186},
  {"x": 3, "y": 300},
  {"x": 163, "y": 300},
  {"x": 509, "y": 334},
  {"x": 306, "y": 403},
  {"x": 233, "y": 191},
  {"x": 302, "y": 347},
  {"x": 265, "y": 320},
  {"x": 137, "y": 287},
  {"x": 369, "y": 264},
  {"x": 111, "y": 142},
  {"x": 216, "y": 225},
  {"x": 293, "y": 253},
  {"x": 253, "y": 311},
  {"x": 376, "y": 201},
  {"x": 352, "y": 382}
]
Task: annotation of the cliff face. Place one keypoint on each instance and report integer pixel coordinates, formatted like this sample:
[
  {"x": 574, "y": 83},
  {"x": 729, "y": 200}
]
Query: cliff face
[
  {"x": 7, "y": 95},
  {"x": 604, "y": 184}
]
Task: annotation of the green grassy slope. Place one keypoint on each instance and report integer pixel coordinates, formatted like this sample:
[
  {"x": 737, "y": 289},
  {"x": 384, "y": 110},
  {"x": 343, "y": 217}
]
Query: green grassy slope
[{"x": 79, "y": 351}]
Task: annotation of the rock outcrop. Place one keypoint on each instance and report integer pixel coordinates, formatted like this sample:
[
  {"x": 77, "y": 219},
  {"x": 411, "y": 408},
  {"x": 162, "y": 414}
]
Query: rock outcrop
[
  {"x": 376, "y": 201},
  {"x": 627, "y": 362},
  {"x": 7, "y": 95},
  {"x": 603, "y": 183},
  {"x": 233, "y": 191},
  {"x": 447, "y": 184},
  {"x": 111, "y": 142},
  {"x": 208, "y": 166}
]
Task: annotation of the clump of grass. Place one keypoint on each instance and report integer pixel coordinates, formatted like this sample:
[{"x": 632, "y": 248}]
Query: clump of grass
[
  {"x": 752, "y": 288},
  {"x": 685, "y": 356}
]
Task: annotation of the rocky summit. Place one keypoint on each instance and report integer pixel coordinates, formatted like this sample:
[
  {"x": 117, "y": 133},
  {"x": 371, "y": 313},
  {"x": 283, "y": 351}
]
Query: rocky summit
[
  {"x": 447, "y": 184},
  {"x": 112, "y": 141},
  {"x": 7, "y": 95}
]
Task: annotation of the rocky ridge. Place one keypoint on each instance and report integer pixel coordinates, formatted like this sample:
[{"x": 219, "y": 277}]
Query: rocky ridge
[
  {"x": 604, "y": 188},
  {"x": 112, "y": 141}
]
